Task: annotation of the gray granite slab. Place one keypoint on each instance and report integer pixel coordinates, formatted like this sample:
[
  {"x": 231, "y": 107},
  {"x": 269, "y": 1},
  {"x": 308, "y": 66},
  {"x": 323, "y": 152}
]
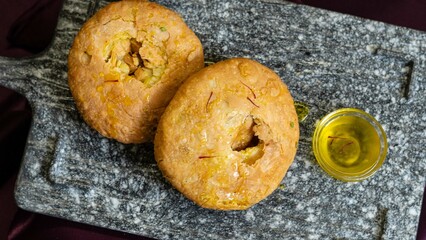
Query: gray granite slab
[{"x": 328, "y": 60}]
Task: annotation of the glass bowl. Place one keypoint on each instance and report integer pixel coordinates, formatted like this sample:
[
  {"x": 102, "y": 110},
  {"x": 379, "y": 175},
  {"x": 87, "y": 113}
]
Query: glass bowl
[{"x": 349, "y": 144}]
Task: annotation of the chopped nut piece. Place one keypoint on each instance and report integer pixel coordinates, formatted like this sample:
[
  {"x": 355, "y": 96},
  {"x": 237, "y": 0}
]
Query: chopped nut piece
[
  {"x": 136, "y": 61},
  {"x": 135, "y": 45},
  {"x": 143, "y": 73},
  {"x": 129, "y": 61}
]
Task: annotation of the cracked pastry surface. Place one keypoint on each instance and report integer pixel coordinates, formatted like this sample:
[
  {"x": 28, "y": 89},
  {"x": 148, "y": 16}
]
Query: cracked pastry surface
[
  {"x": 125, "y": 65},
  {"x": 228, "y": 136}
]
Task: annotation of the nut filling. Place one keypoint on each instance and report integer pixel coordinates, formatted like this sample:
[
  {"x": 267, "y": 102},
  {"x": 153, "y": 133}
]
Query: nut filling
[
  {"x": 144, "y": 61},
  {"x": 133, "y": 58}
]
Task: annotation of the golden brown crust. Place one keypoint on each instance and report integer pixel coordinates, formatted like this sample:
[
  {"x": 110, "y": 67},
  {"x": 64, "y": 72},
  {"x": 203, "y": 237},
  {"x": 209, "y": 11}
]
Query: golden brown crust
[
  {"x": 229, "y": 135},
  {"x": 125, "y": 65}
]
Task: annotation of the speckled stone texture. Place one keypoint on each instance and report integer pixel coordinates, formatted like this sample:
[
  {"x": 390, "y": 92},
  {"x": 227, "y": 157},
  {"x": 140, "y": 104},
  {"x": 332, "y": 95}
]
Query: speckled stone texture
[{"x": 327, "y": 59}]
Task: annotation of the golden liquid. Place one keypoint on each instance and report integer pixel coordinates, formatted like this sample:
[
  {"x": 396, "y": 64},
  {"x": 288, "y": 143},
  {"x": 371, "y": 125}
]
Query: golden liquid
[{"x": 349, "y": 144}]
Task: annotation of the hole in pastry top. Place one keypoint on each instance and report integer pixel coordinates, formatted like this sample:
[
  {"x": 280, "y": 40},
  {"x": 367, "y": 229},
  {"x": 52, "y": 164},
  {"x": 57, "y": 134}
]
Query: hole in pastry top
[
  {"x": 127, "y": 57},
  {"x": 133, "y": 58},
  {"x": 245, "y": 137},
  {"x": 247, "y": 143}
]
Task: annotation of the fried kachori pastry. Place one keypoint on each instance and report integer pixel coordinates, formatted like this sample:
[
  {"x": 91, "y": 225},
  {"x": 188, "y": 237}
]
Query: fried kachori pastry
[
  {"x": 229, "y": 135},
  {"x": 126, "y": 64}
]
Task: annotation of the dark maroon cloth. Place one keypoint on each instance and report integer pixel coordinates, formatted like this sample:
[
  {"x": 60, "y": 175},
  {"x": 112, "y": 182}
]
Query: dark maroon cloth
[
  {"x": 407, "y": 13},
  {"x": 26, "y": 28}
]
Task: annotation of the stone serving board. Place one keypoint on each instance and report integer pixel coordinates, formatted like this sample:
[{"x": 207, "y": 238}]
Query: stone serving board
[{"x": 328, "y": 60}]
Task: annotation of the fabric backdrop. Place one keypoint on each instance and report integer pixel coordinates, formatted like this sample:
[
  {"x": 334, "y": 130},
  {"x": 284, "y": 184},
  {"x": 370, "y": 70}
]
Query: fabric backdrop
[{"x": 27, "y": 27}]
